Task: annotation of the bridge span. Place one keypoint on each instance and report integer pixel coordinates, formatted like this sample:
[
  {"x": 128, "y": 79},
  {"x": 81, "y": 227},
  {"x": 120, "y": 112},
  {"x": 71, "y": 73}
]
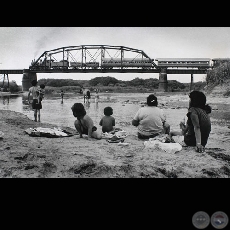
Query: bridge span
[{"x": 108, "y": 59}]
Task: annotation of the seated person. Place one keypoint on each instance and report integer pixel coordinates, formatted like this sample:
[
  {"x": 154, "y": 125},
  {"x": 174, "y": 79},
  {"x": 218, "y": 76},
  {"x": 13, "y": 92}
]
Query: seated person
[
  {"x": 84, "y": 124},
  {"x": 198, "y": 127},
  {"x": 150, "y": 120},
  {"x": 108, "y": 121}
]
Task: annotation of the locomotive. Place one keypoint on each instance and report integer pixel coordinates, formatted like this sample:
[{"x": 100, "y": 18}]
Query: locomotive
[{"x": 50, "y": 64}]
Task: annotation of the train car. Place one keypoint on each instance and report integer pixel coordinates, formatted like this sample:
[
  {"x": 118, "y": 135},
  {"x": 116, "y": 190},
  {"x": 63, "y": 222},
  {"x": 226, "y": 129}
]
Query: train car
[
  {"x": 63, "y": 64},
  {"x": 110, "y": 63},
  {"x": 77, "y": 65},
  {"x": 200, "y": 63},
  {"x": 93, "y": 65}
]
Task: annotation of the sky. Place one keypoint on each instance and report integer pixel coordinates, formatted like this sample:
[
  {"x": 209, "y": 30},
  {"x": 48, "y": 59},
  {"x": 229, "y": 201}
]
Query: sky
[{"x": 20, "y": 45}]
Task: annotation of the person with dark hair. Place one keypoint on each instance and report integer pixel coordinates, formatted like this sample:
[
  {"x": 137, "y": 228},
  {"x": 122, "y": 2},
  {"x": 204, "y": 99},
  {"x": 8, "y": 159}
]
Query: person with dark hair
[
  {"x": 198, "y": 127},
  {"x": 40, "y": 94},
  {"x": 107, "y": 122},
  {"x": 33, "y": 91},
  {"x": 84, "y": 124},
  {"x": 150, "y": 120}
]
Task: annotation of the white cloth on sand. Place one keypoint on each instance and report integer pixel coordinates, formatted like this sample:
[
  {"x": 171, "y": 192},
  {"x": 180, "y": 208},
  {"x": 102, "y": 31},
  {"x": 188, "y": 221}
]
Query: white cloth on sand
[{"x": 167, "y": 147}]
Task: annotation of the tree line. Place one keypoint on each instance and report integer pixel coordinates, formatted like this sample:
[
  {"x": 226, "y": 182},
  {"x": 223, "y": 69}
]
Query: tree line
[
  {"x": 13, "y": 87},
  {"x": 152, "y": 83},
  {"x": 108, "y": 81}
]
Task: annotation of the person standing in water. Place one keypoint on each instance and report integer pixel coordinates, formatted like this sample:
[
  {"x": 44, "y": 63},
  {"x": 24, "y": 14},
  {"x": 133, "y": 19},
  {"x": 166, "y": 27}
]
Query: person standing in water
[
  {"x": 35, "y": 105},
  {"x": 41, "y": 93},
  {"x": 96, "y": 97},
  {"x": 62, "y": 96}
]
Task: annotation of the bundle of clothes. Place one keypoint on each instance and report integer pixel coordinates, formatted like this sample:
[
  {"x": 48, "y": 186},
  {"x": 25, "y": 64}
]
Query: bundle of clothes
[
  {"x": 47, "y": 132},
  {"x": 117, "y": 135}
]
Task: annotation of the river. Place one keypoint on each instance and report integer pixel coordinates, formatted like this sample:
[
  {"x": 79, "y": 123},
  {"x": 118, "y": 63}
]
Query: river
[{"x": 124, "y": 107}]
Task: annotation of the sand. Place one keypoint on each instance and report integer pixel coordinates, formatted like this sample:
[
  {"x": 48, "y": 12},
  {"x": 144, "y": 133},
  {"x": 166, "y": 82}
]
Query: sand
[{"x": 24, "y": 156}]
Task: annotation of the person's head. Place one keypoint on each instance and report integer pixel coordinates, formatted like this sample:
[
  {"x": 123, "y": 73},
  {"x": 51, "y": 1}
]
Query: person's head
[
  {"x": 42, "y": 86},
  {"x": 152, "y": 100},
  {"x": 108, "y": 111},
  {"x": 34, "y": 82},
  {"x": 197, "y": 99},
  {"x": 78, "y": 110}
]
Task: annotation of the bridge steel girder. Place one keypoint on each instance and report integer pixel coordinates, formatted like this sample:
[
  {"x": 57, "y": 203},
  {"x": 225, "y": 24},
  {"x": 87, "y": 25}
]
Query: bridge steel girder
[
  {"x": 84, "y": 48},
  {"x": 11, "y": 71},
  {"x": 97, "y": 71},
  {"x": 186, "y": 71}
]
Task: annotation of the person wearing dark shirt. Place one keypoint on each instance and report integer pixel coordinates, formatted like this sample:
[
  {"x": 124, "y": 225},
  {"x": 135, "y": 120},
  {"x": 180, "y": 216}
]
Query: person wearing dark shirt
[{"x": 198, "y": 127}]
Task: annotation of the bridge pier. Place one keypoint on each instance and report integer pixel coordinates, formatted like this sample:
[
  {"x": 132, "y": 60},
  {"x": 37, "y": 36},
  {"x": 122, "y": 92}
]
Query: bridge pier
[
  {"x": 27, "y": 78},
  {"x": 163, "y": 82},
  {"x": 191, "y": 83}
]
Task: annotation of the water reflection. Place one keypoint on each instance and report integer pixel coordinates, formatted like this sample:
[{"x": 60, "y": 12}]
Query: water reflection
[
  {"x": 6, "y": 100},
  {"x": 25, "y": 100},
  {"x": 87, "y": 105},
  {"x": 96, "y": 106}
]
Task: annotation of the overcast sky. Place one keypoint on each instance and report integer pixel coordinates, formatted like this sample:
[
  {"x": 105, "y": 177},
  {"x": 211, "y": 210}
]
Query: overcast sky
[{"x": 19, "y": 45}]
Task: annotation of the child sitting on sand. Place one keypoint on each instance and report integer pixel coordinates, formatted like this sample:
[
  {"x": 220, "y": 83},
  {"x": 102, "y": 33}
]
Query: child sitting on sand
[
  {"x": 84, "y": 124},
  {"x": 108, "y": 121}
]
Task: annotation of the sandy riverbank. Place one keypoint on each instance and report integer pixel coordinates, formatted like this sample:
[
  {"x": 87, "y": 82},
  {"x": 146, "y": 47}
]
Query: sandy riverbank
[{"x": 33, "y": 157}]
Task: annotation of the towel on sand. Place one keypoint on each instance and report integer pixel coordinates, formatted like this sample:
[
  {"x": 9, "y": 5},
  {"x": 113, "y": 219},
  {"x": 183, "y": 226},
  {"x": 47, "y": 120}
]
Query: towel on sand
[{"x": 47, "y": 132}]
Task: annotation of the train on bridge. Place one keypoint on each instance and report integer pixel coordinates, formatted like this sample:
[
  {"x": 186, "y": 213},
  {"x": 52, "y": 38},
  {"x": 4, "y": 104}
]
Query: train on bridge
[
  {"x": 106, "y": 63},
  {"x": 199, "y": 63},
  {"x": 113, "y": 63}
]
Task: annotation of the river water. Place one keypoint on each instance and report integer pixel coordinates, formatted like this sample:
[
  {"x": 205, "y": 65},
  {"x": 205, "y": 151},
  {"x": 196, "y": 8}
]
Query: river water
[
  {"x": 124, "y": 108},
  {"x": 55, "y": 112}
]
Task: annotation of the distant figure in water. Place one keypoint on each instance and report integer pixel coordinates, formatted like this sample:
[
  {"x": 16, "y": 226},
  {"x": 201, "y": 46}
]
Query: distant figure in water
[
  {"x": 84, "y": 123},
  {"x": 107, "y": 122},
  {"x": 96, "y": 97},
  {"x": 62, "y": 95},
  {"x": 198, "y": 127},
  {"x": 86, "y": 94}
]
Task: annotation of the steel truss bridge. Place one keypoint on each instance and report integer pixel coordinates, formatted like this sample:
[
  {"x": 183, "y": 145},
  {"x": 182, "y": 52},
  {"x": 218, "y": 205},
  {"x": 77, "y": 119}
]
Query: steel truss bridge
[
  {"x": 87, "y": 55},
  {"x": 109, "y": 59}
]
